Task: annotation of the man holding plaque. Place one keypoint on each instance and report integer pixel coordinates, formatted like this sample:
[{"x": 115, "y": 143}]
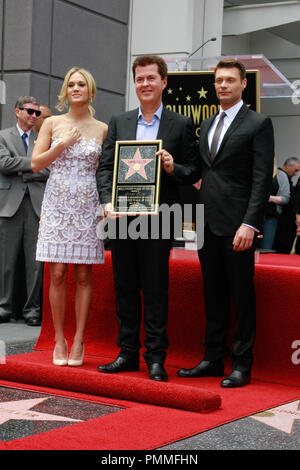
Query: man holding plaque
[
  {"x": 236, "y": 153},
  {"x": 142, "y": 264}
]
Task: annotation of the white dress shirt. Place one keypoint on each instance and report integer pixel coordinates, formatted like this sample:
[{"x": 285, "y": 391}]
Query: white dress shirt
[
  {"x": 21, "y": 132},
  {"x": 230, "y": 114},
  {"x": 148, "y": 130}
]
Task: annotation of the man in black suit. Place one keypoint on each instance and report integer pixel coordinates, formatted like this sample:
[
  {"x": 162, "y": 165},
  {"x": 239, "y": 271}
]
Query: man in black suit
[
  {"x": 143, "y": 264},
  {"x": 236, "y": 154}
]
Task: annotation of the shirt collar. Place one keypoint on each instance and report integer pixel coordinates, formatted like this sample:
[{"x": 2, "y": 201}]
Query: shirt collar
[
  {"x": 232, "y": 112},
  {"x": 21, "y": 132},
  {"x": 157, "y": 113}
]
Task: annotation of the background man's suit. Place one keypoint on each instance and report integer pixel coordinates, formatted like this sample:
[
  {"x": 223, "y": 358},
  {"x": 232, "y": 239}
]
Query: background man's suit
[
  {"x": 144, "y": 263},
  {"x": 21, "y": 195},
  {"x": 235, "y": 189}
]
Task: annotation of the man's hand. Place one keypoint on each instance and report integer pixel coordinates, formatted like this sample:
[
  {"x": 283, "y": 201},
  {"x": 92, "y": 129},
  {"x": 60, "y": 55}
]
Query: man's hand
[
  {"x": 167, "y": 161},
  {"x": 298, "y": 225},
  {"x": 243, "y": 238},
  {"x": 108, "y": 211}
]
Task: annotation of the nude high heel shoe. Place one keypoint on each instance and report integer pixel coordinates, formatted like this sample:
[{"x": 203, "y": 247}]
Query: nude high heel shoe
[
  {"x": 77, "y": 362},
  {"x": 63, "y": 361}
]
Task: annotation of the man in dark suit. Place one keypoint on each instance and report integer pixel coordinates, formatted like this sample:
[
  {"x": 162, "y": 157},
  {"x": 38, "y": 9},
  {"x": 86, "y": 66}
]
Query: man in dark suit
[
  {"x": 143, "y": 264},
  {"x": 20, "y": 205},
  {"x": 236, "y": 153}
]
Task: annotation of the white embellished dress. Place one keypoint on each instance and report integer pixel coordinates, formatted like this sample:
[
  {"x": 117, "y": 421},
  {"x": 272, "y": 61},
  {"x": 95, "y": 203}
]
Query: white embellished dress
[{"x": 70, "y": 209}]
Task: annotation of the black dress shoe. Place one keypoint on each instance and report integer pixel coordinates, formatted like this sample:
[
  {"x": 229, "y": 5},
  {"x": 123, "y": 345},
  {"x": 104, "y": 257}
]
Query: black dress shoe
[
  {"x": 4, "y": 318},
  {"x": 33, "y": 321},
  {"x": 121, "y": 364},
  {"x": 157, "y": 372},
  {"x": 204, "y": 369},
  {"x": 237, "y": 378}
]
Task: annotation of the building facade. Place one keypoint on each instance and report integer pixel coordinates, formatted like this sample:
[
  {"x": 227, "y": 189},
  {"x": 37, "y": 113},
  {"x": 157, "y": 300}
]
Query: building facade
[{"x": 42, "y": 39}]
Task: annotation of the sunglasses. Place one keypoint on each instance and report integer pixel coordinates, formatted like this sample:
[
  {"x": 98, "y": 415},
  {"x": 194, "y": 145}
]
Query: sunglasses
[{"x": 31, "y": 111}]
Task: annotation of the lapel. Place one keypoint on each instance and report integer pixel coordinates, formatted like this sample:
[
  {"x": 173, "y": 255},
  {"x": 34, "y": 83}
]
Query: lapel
[
  {"x": 32, "y": 139},
  {"x": 233, "y": 126},
  {"x": 17, "y": 141},
  {"x": 206, "y": 125},
  {"x": 165, "y": 127},
  {"x": 166, "y": 124},
  {"x": 129, "y": 128}
]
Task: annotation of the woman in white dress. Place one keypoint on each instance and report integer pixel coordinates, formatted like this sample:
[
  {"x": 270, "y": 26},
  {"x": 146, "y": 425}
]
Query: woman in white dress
[{"x": 70, "y": 144}]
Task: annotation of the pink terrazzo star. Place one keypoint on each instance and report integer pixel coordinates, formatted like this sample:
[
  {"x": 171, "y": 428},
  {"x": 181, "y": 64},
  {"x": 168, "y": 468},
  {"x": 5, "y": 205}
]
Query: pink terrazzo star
[
  {"x": 136, "y": 165},
  {"x": 282, "y": 417},
  {"x": 21, "y": 410}
]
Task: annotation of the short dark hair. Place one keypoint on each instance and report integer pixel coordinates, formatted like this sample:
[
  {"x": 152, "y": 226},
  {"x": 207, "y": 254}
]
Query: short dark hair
[
  {"x": 26, "y": 99},
  {"x": 229, "y": 63},
  {"x": 144, "y": 60}
]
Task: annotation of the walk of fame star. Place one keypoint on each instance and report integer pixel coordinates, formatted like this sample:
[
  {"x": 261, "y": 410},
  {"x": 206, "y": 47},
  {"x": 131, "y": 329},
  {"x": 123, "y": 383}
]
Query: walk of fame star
[
  {"x": 21, "y": 410},
  {"x": 282, "y": 418},
  {"x": 202, "y": 93},
  {"x": 136, "y": 165}
]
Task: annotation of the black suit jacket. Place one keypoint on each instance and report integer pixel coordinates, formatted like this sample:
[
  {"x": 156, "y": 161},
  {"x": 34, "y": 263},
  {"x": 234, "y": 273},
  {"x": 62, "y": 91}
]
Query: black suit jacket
[
  {"x": 236, "y": 185},
  {"x": 177, "y": 134}
]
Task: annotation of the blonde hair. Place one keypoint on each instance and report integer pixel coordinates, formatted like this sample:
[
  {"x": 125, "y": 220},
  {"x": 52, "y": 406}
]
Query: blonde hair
[{"x": 62, "y": 97}]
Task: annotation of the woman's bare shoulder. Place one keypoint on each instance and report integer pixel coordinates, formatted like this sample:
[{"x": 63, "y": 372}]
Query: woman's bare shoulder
[
  {"x": 100, "y": 124},
  {"x": 102, "y": 128}
]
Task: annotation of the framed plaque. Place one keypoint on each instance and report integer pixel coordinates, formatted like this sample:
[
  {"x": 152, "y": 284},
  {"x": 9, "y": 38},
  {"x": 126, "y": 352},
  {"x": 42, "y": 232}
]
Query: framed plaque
[{"x": 136, "y": 183}]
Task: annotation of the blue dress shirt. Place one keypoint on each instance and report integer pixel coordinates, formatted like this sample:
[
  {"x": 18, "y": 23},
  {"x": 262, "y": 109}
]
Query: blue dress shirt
[{"x": 148, "y": 130}]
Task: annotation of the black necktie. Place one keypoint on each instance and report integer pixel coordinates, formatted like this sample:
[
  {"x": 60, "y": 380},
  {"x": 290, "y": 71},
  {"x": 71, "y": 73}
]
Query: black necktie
[
  {"x": 216, "y": 136},
  {"x": 24, "y": 137}
]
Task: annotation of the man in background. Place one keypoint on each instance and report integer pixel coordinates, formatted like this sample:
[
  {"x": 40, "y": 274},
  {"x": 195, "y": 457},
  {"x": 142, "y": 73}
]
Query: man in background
[
  {"x": 286, "y": 228},
  {"x": 45, "y": 113},
  {"x": 20, "y": 205}
]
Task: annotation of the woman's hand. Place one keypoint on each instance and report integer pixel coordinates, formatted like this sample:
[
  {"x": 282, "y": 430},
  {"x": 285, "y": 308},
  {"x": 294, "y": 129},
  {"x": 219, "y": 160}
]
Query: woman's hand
[
  {"x": 43, "y": 154},
  {"x": 71, "y": 136}
]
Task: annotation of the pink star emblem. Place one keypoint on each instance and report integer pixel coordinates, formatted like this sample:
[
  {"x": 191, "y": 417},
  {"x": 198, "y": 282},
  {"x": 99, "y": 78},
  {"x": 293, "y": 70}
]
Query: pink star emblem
[
  {"x": 21, "y": 410},
  {"x": 282, "y": 417},
  {"x": 136, "y": 165}
]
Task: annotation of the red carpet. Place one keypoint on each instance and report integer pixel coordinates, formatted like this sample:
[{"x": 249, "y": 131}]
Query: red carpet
[
  {"x": 158, "y": 413},
  {"x": 277, "y": 281},
  {"x": 39, "y": 370},
  {"x": 143, "y": 427}
]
